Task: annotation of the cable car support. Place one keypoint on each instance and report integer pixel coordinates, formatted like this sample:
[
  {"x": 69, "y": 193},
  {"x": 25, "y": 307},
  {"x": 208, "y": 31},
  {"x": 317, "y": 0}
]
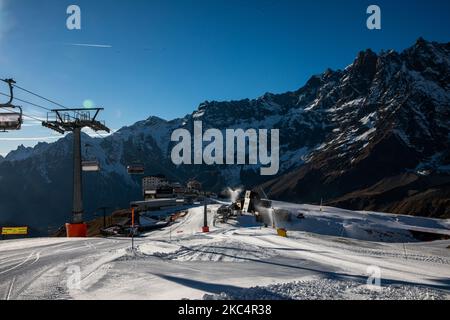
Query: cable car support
[{"x": 74, "y": 120}]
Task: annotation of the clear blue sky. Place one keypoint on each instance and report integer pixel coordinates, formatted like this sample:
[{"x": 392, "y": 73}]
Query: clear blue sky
[{"x": 168, "y": 56}]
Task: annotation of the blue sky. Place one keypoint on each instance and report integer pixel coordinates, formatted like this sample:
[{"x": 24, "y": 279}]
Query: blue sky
[{"x": 165, "y": 57}]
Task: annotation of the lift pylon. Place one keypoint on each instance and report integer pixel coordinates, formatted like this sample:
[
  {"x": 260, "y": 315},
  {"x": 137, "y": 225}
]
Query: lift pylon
[{"x": 74, "y": 120}]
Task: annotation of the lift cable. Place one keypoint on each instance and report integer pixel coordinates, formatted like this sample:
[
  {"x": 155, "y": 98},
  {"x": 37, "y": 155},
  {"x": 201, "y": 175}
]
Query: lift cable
[
  {"x": 32, "y": 117},
  {"x": 44, "y": 98},
  {"x": 27, "y": 102},
  {"x": 37, "y": 105},
  {"x": 31, "y": 103},
  {"x": 41, "y": 107},
  {"x": 36, "y": 115},
  {"x": 39, "y": 96}
]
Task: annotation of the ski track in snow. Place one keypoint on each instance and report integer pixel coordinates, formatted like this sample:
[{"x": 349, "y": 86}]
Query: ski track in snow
[{"x": 239, "y": 260}]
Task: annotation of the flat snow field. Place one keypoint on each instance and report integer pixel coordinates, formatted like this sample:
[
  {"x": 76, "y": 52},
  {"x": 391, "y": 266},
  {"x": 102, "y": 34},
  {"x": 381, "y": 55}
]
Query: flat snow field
[{"x": 329, "y": 254}]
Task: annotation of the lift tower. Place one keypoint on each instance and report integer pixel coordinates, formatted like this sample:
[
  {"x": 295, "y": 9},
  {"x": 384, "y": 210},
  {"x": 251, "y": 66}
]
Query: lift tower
[{"x": 74, "y": 120}]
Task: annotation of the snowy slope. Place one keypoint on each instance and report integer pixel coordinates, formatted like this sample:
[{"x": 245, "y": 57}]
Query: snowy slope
[
  {"x": 361, "y": 225},
  {"x": 239, "y": 260}
]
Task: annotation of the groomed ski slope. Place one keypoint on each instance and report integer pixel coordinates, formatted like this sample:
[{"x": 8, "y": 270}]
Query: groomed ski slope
[{"x": 326, "y": 256}]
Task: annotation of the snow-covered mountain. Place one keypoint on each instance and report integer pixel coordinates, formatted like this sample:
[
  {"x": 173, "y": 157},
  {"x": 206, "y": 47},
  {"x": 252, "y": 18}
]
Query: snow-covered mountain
[
  {"x": 387, "y": 143},
  {"x": 375, "y": 135}
]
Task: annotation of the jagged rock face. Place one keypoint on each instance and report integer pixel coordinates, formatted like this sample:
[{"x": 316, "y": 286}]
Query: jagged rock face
[
  {"x": 395, "y": 120},
  {"x": 343, "y": 132}
]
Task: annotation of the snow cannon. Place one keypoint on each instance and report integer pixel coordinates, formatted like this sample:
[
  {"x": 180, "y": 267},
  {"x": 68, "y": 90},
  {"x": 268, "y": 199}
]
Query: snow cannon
[{"x": 76, "y": 230}]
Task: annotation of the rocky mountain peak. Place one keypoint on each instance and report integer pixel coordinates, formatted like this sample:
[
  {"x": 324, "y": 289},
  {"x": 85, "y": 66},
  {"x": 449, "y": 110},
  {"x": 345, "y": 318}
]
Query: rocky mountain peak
[
  {"x": 340, "y": 133},
  {"x": 365, "y": 65}
]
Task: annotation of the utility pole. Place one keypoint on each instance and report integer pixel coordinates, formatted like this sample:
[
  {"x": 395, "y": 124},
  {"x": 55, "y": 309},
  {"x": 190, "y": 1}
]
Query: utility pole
[
  {"x": 104, "y": 215},
  {"x": 132, "y": 227},
  {"x": 205, "y": 217},
  {"x": 74, "y": 120}
]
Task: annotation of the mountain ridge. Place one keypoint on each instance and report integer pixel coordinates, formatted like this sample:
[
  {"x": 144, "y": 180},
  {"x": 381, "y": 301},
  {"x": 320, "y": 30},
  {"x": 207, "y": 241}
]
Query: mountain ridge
[{"x": 344, "y": 131}]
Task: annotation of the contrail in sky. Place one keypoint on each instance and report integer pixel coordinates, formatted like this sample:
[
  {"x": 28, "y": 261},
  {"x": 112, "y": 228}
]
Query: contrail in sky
[{"x": 90, "y": 45}]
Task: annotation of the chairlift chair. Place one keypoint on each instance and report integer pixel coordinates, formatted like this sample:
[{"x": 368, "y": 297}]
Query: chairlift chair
[
  {"x": 90, "y": 165},
  {"x": 10, "y": 120},
  {"x": 136, "y": 169}
]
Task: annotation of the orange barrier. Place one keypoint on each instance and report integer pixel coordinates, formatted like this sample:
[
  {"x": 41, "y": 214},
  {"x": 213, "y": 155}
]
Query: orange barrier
[{"x": 76, "y": 230}]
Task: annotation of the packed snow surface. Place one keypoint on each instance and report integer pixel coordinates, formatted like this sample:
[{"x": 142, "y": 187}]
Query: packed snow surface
[{"x": 329, "y": 254}]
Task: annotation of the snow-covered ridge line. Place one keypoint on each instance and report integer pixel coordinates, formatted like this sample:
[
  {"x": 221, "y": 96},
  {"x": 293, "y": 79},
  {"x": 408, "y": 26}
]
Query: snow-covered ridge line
[{"x": 331, "y": 130}]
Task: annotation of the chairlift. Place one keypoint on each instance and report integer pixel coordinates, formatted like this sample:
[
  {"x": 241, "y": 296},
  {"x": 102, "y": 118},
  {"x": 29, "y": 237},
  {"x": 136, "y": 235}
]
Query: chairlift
[
  {"x": 136, "y": 169},
  {"x": 10, "y": 120},
  {"x": 90, "y": 165}
]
